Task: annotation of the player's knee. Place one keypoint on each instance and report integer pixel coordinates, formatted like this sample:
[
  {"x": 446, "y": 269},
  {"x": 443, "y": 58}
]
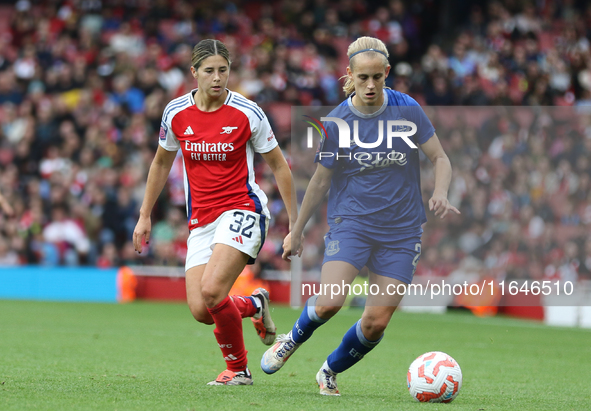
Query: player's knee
[
  {"x": 327, "y": 311},
  {"x": 211, "y": 295},
  {"x": 373, "y": 328},
  {"x": 201, "y": 315}
]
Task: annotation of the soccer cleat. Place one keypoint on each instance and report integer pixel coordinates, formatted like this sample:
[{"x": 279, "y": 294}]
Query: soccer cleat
[
  {"x": 262, "y": 321},
  {"x": 274, "y": 358},
  {"x": 228, "y": 377},
  {"x": 327, "y": 381}
]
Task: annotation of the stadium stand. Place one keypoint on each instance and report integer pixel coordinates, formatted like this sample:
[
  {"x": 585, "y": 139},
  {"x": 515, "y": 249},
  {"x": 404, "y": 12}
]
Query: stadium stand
[{"x": 83, "y": 85}]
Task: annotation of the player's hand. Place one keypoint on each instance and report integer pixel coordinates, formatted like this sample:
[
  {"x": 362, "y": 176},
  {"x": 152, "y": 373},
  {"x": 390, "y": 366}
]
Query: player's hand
[
  {"x": 440, "y": 204},
  {"x": 290, "y": 244},
  {"x": 142, "y": 231}
]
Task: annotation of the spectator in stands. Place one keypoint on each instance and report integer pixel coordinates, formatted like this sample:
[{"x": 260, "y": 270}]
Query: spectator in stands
[
  {"x": 8, "y": 257},
  {"x": 124, "y": 94},
  {"x": 82, "y": 89},
  {"x": 67, "y": 236},
  {"x": 5, "y": 206},
  {"x": 438, "y": 92}
]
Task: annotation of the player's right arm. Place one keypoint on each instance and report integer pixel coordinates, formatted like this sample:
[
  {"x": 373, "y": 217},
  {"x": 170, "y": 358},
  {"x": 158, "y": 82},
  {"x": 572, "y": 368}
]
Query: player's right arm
[
  {"x": 157, "y": 176},
  {"x": 315, "y": 193}
]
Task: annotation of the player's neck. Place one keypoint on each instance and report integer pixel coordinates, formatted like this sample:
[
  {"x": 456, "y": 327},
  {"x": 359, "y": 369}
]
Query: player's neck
[
  {"x": 208, "y": 103},
  {"x": 367, "y": 108}
]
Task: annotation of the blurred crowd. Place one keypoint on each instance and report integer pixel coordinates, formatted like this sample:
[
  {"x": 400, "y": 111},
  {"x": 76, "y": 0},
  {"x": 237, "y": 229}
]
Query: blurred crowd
[
  {"x": 83, "y": 85},
  {"x": 522, "y": 181}
]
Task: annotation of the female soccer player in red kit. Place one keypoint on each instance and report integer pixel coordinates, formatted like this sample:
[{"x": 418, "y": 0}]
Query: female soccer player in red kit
[{"x": 218, "y": 132}]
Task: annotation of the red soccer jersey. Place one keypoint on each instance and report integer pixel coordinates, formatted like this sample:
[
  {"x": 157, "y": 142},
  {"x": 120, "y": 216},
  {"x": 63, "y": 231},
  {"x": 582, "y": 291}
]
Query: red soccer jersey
[{"x": 218, "y": 150}]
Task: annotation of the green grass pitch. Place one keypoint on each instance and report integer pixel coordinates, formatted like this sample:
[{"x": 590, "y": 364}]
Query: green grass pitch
[{"x": 150, "y": 356}]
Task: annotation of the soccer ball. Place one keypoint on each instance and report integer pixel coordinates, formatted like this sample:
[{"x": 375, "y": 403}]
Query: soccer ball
[{"x": 434, "y": 377}]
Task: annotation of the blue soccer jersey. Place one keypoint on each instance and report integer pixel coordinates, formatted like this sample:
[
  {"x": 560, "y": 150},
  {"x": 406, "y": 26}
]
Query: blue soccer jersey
[{"x": 380, "y": 186}]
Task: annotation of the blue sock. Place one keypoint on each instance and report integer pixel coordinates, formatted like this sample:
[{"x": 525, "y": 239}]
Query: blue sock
[
  {"x": 305, "y": 326},
  {"x": 352, "y": 349}
]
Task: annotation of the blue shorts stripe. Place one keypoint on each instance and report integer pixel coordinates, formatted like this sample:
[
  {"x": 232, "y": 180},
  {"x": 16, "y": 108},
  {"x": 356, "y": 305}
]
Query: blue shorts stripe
[
  {"x": 257, "y": 202},
  {"x": 262, "y": 225},
  {"x": 189, "y": 205}
]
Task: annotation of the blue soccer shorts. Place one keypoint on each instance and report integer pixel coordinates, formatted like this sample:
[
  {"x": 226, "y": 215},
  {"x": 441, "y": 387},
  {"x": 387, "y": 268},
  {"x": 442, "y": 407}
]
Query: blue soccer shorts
[{"x": 384, "y": 252}]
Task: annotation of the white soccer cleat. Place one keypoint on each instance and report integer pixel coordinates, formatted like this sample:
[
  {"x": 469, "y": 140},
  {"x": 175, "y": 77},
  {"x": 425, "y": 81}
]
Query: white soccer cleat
[
  {"x": 228, "y": 377},
  {"x": 327, "y": 381},
  {"x": 262, "y": 321},
  {"x": 274, "y": 358}
]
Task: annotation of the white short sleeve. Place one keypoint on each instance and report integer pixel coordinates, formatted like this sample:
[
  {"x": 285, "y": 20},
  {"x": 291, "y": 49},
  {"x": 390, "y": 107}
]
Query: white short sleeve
[
  {"x": 263, "y": 139},
  {"x": 167, "y": 139}
]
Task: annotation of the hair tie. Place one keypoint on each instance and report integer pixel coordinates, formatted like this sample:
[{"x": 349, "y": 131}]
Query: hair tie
[{"x": 364, "y": 50}]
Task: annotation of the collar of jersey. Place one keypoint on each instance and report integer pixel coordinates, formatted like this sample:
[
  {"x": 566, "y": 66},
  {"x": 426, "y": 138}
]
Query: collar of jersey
[{"x": 362, "y": 115}]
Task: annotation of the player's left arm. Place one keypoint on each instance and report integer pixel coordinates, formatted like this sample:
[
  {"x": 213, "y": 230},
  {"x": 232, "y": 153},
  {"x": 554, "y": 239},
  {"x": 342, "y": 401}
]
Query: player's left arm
[
  {"x": 282, "y": 173},
  {"x": 438, "y": 201}
]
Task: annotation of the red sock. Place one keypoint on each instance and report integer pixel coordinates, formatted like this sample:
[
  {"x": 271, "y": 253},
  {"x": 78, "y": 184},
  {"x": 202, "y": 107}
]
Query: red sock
[
  {"x": 245, "y": 305},
  {"x": 228, "y": 333}
]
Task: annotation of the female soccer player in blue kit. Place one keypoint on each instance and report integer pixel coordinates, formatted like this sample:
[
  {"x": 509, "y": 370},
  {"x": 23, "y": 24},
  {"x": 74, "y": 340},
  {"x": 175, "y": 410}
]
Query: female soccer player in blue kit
[{"x": 375, "y": 209}]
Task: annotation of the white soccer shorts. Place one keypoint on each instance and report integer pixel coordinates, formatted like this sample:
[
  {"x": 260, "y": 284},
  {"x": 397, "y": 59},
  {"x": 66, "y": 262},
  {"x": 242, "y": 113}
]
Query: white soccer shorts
[{"x": 244, "y": 230}]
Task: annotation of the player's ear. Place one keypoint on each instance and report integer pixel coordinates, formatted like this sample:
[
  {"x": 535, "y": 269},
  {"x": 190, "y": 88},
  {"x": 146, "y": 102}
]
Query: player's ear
[
  {"x": 349, "y": 73},
  {"x": 388, "y": 70},
  {"x": 194, "y": 72}
]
